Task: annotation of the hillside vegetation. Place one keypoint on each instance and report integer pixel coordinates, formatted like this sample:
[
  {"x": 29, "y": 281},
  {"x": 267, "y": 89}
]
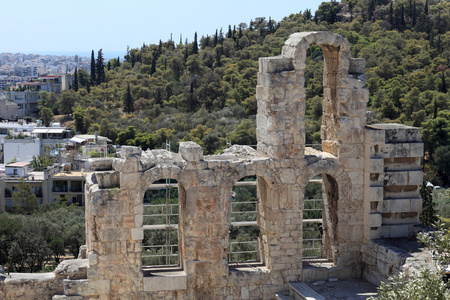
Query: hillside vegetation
[{"x": 204, "y": 90}]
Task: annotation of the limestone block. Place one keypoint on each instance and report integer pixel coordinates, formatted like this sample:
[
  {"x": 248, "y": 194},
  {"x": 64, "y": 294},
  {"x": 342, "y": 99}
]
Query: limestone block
[
  {"x": 375, "y": 219},
  {"x": 100, "y": 164},
  {"x": 415, "y": 177},
  {"x": 398, "y": 133},
  {"x": 357, "y": 65},
  {"x": 275, "y": 64},
  {"x": 357, "y": 178},
  {"x": 374, "y": 136},
  {"x": 191, "y": 151},
  {"x": 128, "y": 151},
  {"x": 173, "y": 281},
  {"x": 107, "y": 179},
  {"x": 416, "y": 205},
  {"x": 137, "y": 234},
  {"x": 72, "y": 269},
  {"x": 396, "y": 205},
  {"x": 416, "y": 150},
  {"x": 396, "y": 178},
  {"x": 376, "y": 165},
  {"x": 350, "y": 150}
]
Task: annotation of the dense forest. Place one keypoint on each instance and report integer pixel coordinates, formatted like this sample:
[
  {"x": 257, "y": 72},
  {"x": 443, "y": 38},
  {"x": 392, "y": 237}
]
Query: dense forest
[{"x": 204, "y": 90}]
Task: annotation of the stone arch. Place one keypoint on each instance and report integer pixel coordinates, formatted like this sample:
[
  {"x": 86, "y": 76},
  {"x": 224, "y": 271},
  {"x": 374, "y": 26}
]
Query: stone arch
[
  {"x": 243, "y": 170},
  {"x": 336, "y": 50},
  {"x": 337, "y": 186},
  {"x": 152, "y": 175}
]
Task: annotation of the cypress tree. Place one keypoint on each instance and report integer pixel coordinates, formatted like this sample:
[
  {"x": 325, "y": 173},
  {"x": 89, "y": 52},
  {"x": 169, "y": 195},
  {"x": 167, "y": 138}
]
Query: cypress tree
[
  {"x": 428, "y": 216},
  {"x": 229, "y": 33},
  {"x": 128, "y": 101},
  {"x": 153, "y": 67},
  {"x": 216, "y": 39},
  {"x": 234, "y": 32},
  {"x": 414, "y": 14},
  {"x": 108, "y": 65},
  {"x": 270, "y": 25},
  {"x": 391, "y": 15},
  {"x": 402, "y": 18},
  {"x": 426, "y": 8},
  {"x": 75, "y": 80},
  {"x": 118, "y": 62},
  {"x": 100, "y": 68},
  {"x": 195, "y": 44},
  {"x": 92, "y": 68},
  {"x": 444, "y": 85},
  {"x": 221, "y": 38}
]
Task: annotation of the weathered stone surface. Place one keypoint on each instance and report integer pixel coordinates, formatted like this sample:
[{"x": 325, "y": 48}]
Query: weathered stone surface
[
  {"x": 30, "y": 286},
  {"x": 72, "y": 269},
  {"x": 370, "y": 180},
  {"x": 100, "y": 164}
]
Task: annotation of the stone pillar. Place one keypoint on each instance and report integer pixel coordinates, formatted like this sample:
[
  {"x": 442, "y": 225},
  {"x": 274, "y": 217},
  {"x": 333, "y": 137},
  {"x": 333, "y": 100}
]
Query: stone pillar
[
  {"x": 203, "y": 224},
  {"x": 281, "y": 98},
  {"x": 281, "y": 227},
  {"x": 114, "y": 232}
]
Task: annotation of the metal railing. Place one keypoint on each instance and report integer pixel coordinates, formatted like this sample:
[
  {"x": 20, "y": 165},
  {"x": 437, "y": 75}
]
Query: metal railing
[
  {"x": 244, "y": 229},
  {"x": 312, "y": 245},
  {"x": 160, "y": 244}
]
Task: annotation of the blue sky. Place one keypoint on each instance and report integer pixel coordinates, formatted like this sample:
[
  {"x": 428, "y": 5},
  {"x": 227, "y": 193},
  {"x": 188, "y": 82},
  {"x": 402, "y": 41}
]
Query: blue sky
[{"x": 48, "y": 26}]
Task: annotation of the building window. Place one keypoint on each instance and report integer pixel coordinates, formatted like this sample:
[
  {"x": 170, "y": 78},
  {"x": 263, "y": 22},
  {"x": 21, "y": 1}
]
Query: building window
[
  {"x": 244, "y": 229},
  {"x": 20, "y": 106},
  {"x": 59, "y": 186},
  {"x": 76, "y": 186},
  {"x": 160, "y": 223}
]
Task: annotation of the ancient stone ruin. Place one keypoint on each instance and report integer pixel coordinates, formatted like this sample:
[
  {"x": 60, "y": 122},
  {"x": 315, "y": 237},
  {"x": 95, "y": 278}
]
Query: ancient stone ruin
[{"x": 371, "y": 177}]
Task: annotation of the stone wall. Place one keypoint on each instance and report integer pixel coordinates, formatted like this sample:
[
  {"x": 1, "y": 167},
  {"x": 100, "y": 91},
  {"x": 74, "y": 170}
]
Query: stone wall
[{"x": 370, "y": 183}]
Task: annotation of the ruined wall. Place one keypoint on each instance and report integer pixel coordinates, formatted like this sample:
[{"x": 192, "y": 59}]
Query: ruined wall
[{"x": 370, "y": 181}]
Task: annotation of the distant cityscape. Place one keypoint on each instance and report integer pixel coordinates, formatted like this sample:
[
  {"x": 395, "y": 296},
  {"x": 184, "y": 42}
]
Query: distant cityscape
[{"x": 29, "y": 65}]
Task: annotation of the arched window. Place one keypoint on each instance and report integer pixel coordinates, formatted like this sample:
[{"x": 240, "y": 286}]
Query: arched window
[
  {"x": 160, "y": 224},
  {"x": 244, "y": 241},
  {"x": 313, "y": 221},
  {"x": 314, "y": 96}
]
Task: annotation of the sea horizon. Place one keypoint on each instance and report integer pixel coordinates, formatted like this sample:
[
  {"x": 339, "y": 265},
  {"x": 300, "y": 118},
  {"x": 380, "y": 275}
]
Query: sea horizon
[{"x": 82, "y": 53}]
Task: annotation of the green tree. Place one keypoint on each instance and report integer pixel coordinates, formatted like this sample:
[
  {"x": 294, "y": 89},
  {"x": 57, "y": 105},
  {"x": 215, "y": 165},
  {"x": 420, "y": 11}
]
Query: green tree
[
  {"x": 75, "y": 80},
  {"x": 25, "y": 202},
  {"x": 99, "y": 68},
  {"x": 128, "y": 135},
  {"x": 46, "y": 116},
  {"x": 74, "y": 237},
  {"x": 28, "y": 251},
  {"x": 428, "y": 216},
  {"x": 67, "y": 101},
  {"x": 436, "y": 132},
  {"x": 93, "y": 78},
  {"x": 78, "y": 116},
  {"x": 244, "y": 134},
  {"x": 38, "y": 163},
  {"x": 9, "y": 225},
  {"x": 128, "y": 102},
  {"x": 195, "y": 44},
  {"x": 441, "y": 160}
]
